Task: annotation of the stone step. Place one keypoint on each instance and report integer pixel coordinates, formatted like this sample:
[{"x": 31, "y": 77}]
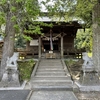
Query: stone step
[
  {"x": 52, "y": 83},
  {"x": 50, "y": 63},
  {"x": 51, "y": 73},
  {"x": 49, "y": 88},
  {"x": 50, "y": 68},
  {"x": 51, "y": 78},
  {"x": 51, "y": 60},
  {"x": 42, "y": 70},
  {"x": 35, "y": 80}
]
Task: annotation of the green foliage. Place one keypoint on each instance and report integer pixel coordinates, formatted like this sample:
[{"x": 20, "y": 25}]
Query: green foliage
[
  {"x": 28, "y": 38},
  {"x": 70, "y": 62},
  {"x": 84, "y": 10},
  {"x": 13, "y": 18},
  {"x": 20, "y": 41},
  {"x": 84, "y": 40},
  {"x": 2, "y": 18},
  {"x": 16, "y": 27},
  {"x": 25, "y": 69},
  {"x": 13, "y": 9},
  {"x": 72, "y": 9},
  {"x": 21, "y": 10}
]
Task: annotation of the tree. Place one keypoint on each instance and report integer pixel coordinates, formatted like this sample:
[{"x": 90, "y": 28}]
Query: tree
[
  {"x": 96, "y": 36},
  {"x": 14, "y": 14},
  {"x": 89, "y": 12},
  {"x": 84, "y": 40}
]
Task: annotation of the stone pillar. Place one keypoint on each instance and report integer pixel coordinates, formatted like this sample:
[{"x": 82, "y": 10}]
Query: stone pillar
[
  {"x": 62, "y": 50},
  {"x": 39, "y": 49}
]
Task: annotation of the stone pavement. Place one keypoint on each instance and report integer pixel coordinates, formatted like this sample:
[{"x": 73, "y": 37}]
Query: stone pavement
[
  {"x": 53, "y": 95},
  {"x": 14, "y": 94}
]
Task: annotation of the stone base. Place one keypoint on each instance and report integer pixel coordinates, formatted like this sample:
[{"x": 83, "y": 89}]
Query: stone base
[
  {"x": 89, "y": 79},
  {"x": 13, "y": 87},
  {"x": 88, "y": 88},
  {"x": 9, "y": 84},
  {"x": 10, "y": 78}
]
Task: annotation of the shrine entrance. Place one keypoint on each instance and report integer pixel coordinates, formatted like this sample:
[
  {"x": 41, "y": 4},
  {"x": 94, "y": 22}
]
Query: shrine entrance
[
  {"x": 46, "y": 45},
  {"x": 50, "y": 45}
]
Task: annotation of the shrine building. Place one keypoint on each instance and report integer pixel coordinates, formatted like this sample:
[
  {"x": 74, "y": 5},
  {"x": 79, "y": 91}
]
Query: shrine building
[{"x": 56, "y": 40}]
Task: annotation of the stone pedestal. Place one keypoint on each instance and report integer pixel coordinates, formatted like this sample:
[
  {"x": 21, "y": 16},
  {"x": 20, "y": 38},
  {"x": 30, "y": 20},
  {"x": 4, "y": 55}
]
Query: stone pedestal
[
  {"x": 10, "y": 78},
  {"x": 89, "y": 79}
]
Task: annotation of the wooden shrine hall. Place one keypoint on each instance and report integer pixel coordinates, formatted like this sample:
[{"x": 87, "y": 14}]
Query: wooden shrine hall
[{"x": 56, "y": 40}]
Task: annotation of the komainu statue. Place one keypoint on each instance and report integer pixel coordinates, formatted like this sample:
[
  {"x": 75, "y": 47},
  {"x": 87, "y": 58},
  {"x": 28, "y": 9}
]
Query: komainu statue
[
  {"x": 12, "y": 61},
  {"x": 88, "y": 62},
  {"x": 11, "y": 74}
]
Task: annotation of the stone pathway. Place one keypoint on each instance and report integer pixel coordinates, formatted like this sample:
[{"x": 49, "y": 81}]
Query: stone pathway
[
  {"x": 53, "y": 95},
  {"x": 51, "y": 81}
]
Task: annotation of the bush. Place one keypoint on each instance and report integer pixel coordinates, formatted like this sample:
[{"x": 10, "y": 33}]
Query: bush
[{"x": 25, "y": 69}]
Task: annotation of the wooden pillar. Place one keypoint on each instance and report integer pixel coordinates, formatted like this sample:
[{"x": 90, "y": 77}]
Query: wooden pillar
[
  {"x": 62, "y": 50},
  {"x": 27, "y": 45},
  {"x": 39, "y": 52}
]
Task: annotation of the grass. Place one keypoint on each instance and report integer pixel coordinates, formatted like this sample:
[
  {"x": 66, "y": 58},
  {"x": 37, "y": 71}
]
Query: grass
[{"x": 25, "y": 69}]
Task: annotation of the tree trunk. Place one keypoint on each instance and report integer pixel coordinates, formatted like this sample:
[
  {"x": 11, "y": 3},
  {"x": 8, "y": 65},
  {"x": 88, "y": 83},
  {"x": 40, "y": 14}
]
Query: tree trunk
[
  {"x": 8, "y": 46},
  {"x": 96, "y": 37}
]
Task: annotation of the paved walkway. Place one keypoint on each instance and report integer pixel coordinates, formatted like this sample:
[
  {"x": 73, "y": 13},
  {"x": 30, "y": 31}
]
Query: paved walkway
[
  {"x": 14, "y": 94},
  {"x": 51, "y": 81}
]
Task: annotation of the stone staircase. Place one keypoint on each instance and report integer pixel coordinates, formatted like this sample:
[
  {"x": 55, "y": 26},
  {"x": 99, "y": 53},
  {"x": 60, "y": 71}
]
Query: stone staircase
[
  {"x": 57, "y": 55},
  {"x": 51, "y": 74}
]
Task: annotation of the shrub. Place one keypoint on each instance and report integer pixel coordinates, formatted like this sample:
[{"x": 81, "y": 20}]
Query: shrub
[{"x": 25, "y": 69}]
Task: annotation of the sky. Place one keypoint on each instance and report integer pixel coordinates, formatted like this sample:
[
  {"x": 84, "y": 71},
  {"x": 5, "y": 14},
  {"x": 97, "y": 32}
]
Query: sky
[{"x": 43, "y": 8}]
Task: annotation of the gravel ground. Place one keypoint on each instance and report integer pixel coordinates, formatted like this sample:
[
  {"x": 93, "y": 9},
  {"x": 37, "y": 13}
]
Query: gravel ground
[{"x": 88, "y": 95}]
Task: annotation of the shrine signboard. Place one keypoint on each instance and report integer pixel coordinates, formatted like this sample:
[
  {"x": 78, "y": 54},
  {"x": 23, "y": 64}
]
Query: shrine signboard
[{"x": 34, "y": 42}]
